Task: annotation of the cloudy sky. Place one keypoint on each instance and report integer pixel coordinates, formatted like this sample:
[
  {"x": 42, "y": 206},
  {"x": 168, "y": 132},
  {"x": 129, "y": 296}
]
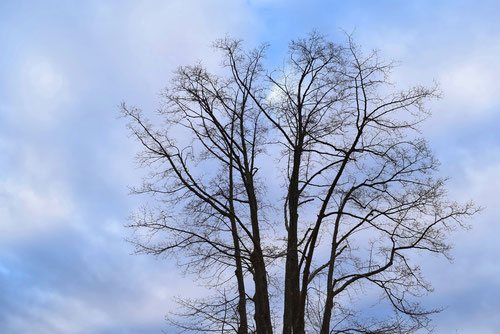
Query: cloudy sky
[{"x": 66, "y": 160}]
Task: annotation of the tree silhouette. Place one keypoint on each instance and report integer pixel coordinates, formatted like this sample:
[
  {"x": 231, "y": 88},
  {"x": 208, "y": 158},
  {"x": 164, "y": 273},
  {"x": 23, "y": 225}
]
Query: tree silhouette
[{"x": 288, "y": 192}]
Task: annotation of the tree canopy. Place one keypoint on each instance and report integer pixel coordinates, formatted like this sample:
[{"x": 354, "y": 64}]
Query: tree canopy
[{"x": 290, "y": 192}]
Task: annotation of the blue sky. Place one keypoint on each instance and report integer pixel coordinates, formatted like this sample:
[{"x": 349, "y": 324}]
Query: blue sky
[{"x": 66, "y": 160}]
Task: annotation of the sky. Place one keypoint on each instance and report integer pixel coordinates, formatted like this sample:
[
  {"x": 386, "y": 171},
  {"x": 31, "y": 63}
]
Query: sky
[{"x": 66, "y": 160}]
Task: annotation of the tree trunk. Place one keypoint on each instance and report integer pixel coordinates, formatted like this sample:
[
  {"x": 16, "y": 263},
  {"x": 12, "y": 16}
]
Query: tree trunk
[
  {"x": 261, "y": 298},
  {"x": 291, "y": 319},
  {"x": 242, "y": 306}
]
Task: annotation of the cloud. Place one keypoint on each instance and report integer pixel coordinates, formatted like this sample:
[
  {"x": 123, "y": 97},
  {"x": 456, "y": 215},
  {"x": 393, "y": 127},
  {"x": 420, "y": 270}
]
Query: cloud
[
  {"x": 64, "y": 264},
  {"x": 26, "y": 211},
  {"x": 59, "y": 314},
  {"x": 460, "y": 287},
  {"x": 43, "y": 80},
  {"x": 82, "y": 279},
  {"x": 472, "y": 86},
  {"x": 34, "y": 196},
  {"x": 457, "y": 51},
  {"x": 39, "y": 94}
]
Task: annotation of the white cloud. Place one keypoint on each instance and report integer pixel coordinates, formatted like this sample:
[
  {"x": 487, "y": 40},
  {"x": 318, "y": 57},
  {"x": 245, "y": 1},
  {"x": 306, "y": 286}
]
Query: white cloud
[
  {"x": 34, "y": 196},
  {"x": 45, "y": 81},
  {"x": 40, "y": 92},
  {"x": 461, "y": 59},
  {"x": 473, "y": 85},
  {"x": 27, "y": 211},
  {"x": 125, "y": 50},
  {"x": 477, "y": 177}
]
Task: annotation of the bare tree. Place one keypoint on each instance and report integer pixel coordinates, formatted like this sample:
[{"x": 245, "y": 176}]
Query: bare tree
[{"x": 358, "y": 191}]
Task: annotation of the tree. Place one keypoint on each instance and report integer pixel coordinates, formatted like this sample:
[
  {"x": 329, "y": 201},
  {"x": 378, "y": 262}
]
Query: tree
[{"x": 288, "y": 192}]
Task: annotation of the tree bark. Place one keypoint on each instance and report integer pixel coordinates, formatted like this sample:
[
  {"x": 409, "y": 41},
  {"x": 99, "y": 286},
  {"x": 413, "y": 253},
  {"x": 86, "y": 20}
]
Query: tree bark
[
  {"x": 292, "y": 273},
  {"x": 261, "y": 297},
  {"x": 242, "y": 306}
]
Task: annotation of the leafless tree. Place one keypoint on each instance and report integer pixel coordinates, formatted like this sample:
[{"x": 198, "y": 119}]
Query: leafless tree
[{"x": 290, "y": 192}]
